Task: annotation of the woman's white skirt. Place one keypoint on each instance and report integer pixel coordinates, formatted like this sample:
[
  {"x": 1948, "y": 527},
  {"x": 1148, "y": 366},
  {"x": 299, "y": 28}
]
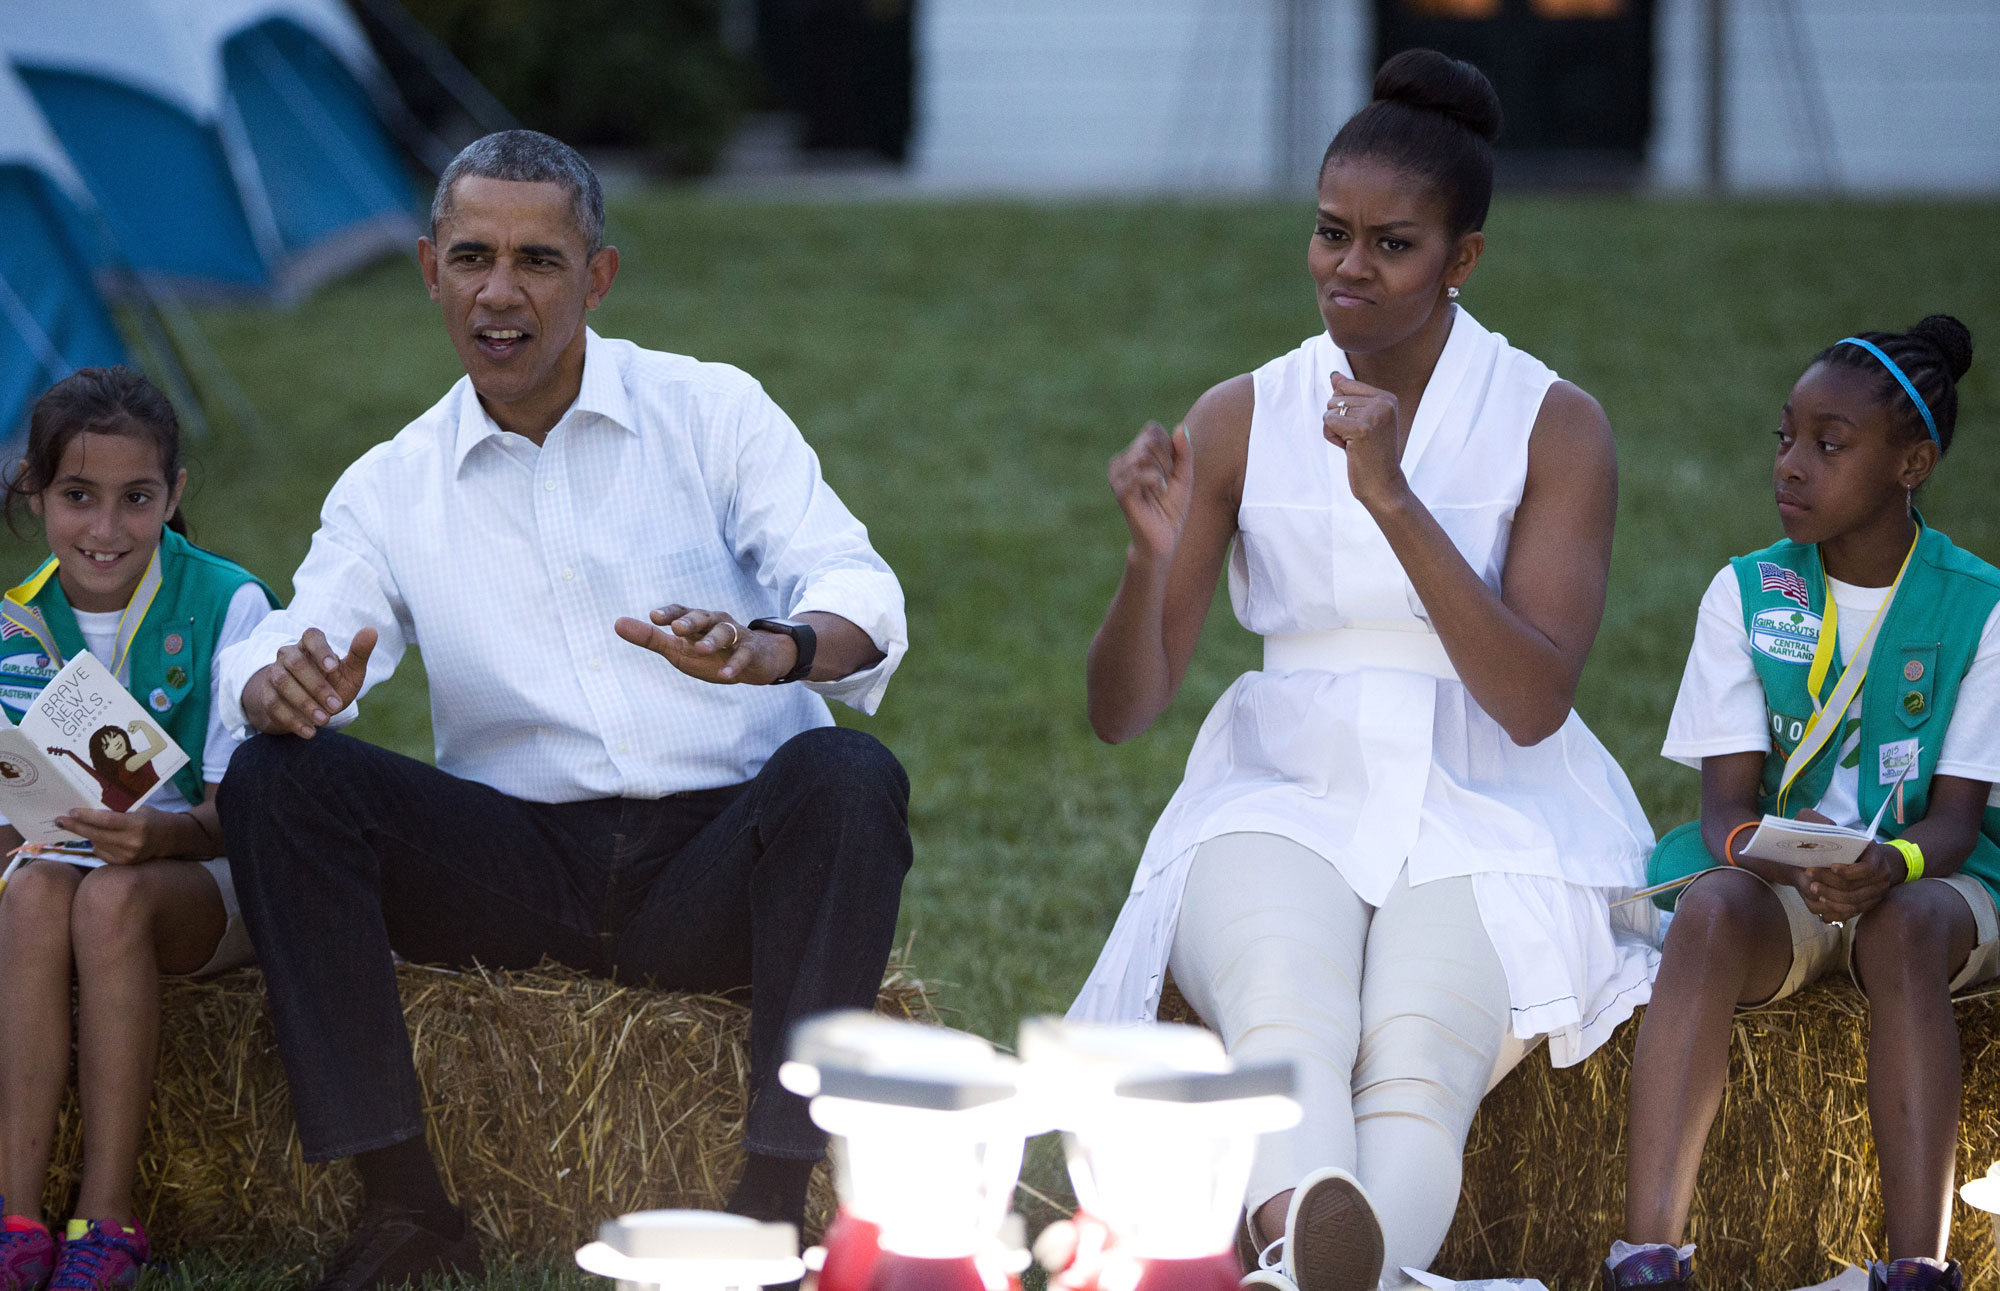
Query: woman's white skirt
[{"x": 1381, "y": 771}]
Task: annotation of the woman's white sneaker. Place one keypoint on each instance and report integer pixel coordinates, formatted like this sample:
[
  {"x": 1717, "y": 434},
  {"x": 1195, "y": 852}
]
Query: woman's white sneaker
[{"x": 1333, "y": 1241}]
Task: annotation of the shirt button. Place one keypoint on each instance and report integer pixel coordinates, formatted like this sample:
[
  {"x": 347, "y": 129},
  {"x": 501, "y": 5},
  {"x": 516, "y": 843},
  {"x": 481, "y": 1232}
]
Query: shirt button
[
  {"x": 623, "y": 747},
  {"x": 569, "y": 575},
  {"x": 548, "y": 486},
  {"x": 597, "y": 665}
]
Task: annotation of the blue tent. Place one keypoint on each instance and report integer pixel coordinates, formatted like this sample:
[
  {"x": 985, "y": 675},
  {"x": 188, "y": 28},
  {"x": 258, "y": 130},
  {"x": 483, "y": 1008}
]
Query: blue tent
[
  {"x": 51, "y": 318},
  {"x": 231, "y": 145}
]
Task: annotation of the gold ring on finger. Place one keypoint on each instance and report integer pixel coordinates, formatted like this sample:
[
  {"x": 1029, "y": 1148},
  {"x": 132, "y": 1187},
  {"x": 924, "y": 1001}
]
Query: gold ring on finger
[
  {"x": 735, "y": 635},
  {"x": 1340, "y": 409}
]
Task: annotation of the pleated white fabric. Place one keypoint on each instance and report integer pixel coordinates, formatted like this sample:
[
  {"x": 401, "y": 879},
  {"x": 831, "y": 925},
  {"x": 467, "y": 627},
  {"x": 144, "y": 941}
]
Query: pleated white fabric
[{"x": 1358, "y": 741}]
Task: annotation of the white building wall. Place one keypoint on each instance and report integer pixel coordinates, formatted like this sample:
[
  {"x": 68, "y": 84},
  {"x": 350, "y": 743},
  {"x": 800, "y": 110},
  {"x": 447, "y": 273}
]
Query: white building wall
[
  {"x": 1857, "y": 95},
  {"x": 1183, "y": 95},
  {"x": 1127, "y": 95},
  {"x": 1676, "y": 156}
]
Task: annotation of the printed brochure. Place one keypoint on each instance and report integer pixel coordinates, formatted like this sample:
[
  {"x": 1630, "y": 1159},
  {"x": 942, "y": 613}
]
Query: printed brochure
[
  {"x": 1814, "y": 844},
  {"x": 85, "y": 742}
]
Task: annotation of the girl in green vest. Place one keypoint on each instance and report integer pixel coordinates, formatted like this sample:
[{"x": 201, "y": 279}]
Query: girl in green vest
[
  {"x": 103, "y": 474},
  {"x": 1853, "y": 666}
]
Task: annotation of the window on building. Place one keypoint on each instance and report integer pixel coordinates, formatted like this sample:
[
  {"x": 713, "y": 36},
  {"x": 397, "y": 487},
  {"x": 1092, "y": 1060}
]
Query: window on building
[
  {"x": 1483, "y": 9},
  {"x": 1454, "y": 8},
  {"x": 1577, "y": 8}
]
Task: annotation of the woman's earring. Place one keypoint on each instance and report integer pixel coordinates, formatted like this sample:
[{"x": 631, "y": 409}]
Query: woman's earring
[{"x": 1452, "y": 292}]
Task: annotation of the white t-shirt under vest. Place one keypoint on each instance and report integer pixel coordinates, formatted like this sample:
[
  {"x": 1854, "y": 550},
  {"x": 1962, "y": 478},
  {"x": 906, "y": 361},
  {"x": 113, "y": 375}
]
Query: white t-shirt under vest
[
  {"x": 1357, "y": 739},
  {"x": 1721, "y": 707}
]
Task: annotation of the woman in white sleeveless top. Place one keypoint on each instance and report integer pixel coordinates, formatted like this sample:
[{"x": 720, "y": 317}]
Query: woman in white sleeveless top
[{"x": 1394, "y": 854}]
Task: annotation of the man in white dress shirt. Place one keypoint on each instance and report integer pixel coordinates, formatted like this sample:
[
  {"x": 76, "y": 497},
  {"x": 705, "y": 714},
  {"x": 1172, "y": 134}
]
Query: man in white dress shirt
[{"x": 645, "y": 795}]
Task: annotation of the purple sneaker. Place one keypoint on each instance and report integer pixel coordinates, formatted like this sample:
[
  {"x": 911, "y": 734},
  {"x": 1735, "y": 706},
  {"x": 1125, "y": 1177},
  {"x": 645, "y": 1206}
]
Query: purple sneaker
[
  {"x": 1915, "y": 1275},
  {"x": 96, "y": 1258},
  {"x": 27, "y": 1254},
  {"x": 1658, "y": 1268}
]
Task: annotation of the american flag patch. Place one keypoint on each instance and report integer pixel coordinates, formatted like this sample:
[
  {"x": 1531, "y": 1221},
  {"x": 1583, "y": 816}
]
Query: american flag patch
[
  {"x": 1776, "y": 578},
  {"x": 9, "y": 628}
]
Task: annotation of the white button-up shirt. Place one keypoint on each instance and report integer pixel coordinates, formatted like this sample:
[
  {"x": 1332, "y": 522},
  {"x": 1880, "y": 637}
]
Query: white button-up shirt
[{"x": 668, "y": 481}]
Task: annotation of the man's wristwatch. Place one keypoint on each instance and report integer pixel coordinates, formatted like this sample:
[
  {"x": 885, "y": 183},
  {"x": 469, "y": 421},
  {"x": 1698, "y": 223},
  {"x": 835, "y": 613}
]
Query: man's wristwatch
[{"x": 802, "y": 637}]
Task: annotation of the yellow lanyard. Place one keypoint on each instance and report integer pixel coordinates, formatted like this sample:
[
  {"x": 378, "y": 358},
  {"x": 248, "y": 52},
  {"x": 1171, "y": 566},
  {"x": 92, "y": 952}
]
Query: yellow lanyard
[
  {"x": 16, "y": 609},
  {"x": 1826, "y": 716}
]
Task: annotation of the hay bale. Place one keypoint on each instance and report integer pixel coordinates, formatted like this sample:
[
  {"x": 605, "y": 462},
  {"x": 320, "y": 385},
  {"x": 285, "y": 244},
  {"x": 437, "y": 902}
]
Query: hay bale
[
  {"x": 1788, "y": 1191},
  {"x": 556, "y": 1099}
]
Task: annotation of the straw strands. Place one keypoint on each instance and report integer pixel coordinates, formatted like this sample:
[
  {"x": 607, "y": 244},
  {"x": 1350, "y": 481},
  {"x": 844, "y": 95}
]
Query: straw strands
[
  {"x": 1788, "y": 1191},
  {"x": 555, "y": 1100}
]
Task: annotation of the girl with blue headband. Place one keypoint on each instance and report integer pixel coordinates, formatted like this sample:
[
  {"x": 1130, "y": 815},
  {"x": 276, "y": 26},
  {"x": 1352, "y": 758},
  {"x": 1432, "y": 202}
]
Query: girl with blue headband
[{"x": 1852, "y": 667}]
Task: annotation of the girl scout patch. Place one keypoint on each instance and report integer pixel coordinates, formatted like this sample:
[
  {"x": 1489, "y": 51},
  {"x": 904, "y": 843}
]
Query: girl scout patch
[
  {"x": 1786, "y": 635},
  {"x": 174, "y": 643},
  {"x": 23, "y": 674},
  {"x": 158, "y": 699},
  {"x": 177, "y": 677}
]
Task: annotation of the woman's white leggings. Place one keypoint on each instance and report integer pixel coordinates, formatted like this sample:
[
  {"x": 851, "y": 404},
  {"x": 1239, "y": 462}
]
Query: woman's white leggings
[{"x": 1396, "y": 1019}]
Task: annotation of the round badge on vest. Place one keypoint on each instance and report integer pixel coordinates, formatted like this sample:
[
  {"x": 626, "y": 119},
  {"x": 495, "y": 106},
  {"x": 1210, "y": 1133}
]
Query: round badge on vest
[
  {"x": 175, "y": 643},
  {"x": 1913, "y": 670}
]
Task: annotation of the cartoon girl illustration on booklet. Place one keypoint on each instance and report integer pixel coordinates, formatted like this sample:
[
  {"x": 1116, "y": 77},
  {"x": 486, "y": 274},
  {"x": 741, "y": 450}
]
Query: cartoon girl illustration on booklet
[{"x": 123, "y": 771}]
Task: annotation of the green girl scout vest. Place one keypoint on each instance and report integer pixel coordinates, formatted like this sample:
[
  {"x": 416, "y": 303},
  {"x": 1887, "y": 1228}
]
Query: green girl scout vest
[
  {"x": 1921, "y": 654},
  {"x": 166, "y": 666}
]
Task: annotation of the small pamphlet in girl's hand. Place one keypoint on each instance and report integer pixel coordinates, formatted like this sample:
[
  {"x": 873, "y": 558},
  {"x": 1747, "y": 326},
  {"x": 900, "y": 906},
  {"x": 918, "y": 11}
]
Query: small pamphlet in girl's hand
[
  {"x": 1814, "y": 844},
  {"x": 1805, "y": 843},
  {"x": 74, "y": 852},
  {"x": 85, "y": 742}
]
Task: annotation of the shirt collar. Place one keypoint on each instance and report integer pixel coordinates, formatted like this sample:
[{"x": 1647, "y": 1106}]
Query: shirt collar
[{"x": 603, "y": 395}]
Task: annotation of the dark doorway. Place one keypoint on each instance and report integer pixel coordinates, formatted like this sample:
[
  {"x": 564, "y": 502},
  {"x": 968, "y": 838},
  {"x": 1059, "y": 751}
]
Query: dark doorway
[
  {"x": 845, "y": 67},
  {"x": 1575, "y": 77}
]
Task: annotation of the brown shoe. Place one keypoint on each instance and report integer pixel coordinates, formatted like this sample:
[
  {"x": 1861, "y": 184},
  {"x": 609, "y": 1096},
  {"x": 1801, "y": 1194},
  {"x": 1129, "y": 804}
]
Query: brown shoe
[{"x": 388, "y": 1248}]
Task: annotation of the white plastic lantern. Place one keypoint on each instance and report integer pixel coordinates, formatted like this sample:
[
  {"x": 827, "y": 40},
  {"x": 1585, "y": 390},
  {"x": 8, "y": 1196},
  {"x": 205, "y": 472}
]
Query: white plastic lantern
[
  {"x": 928, "y": 1127},
  {"x": 692, "y": 1250},
  {"x": 1160, "y": 1128}
]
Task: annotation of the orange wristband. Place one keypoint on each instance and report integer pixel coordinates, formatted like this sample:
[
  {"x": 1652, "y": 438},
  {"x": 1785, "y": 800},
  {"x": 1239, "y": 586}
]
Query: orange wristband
[{"x": 1729, "y": 844}]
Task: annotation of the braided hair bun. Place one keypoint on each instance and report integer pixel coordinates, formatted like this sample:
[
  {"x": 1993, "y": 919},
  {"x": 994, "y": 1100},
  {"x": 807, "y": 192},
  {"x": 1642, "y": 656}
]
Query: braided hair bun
[{"x": 1951, "y": 339}]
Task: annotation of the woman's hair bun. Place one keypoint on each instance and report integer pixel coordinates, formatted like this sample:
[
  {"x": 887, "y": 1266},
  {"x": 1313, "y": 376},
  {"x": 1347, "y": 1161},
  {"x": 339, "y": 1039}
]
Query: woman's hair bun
[
  {"x": 1424, "y": 78},
  {"x": 1951, "y": 338}
]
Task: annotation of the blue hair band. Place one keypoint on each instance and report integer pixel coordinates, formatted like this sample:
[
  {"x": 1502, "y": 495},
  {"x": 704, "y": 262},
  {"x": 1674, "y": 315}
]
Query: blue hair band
[{"x": 1930, "y": 422}]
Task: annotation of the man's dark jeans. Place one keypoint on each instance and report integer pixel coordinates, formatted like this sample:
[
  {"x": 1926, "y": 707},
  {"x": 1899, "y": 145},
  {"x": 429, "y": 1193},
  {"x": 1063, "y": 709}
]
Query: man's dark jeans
[{"x": 342, "y": 851}]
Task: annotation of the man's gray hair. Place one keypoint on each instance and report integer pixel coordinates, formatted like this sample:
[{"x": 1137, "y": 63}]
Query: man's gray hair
[{"x": 528, "y": 157}]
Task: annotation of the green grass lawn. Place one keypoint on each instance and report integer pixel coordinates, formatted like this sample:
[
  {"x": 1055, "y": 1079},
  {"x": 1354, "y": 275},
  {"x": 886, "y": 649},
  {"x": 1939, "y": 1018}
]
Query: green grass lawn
[{"x": 964, "y": 372}]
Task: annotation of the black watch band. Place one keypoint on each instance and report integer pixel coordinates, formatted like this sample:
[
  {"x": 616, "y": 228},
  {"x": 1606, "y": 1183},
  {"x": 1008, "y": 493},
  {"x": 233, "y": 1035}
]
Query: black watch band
[{"x": 803, "y": 637}]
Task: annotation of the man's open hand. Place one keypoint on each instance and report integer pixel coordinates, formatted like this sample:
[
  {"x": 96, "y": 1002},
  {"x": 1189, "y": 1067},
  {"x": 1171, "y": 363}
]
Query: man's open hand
[
  {"x": 307, "y": 684},
  {"x": 708, "y": 645}
]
